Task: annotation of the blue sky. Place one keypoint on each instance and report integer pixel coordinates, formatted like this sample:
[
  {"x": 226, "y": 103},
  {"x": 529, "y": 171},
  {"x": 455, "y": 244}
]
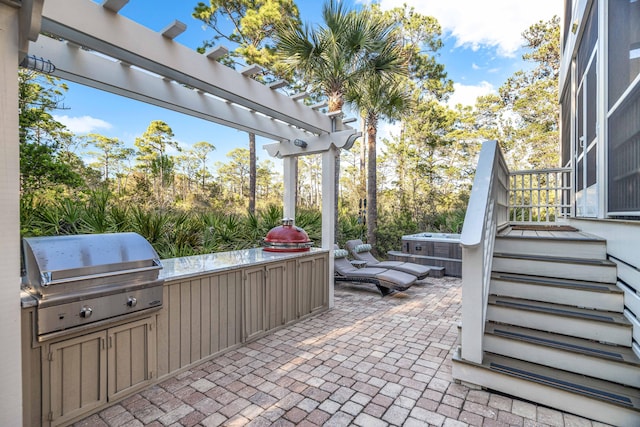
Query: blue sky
[{"x": 482, "y": 49}]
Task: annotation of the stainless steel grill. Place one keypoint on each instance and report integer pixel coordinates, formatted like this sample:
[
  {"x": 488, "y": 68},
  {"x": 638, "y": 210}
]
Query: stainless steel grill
[{"x": 83, "y": 279}]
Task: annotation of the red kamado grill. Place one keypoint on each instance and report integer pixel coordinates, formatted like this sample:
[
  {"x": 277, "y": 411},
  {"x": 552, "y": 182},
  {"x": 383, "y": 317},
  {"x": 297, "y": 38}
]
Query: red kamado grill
[
  {"x": 287, "y": 238},
  {"x": 89, "y": 279}
]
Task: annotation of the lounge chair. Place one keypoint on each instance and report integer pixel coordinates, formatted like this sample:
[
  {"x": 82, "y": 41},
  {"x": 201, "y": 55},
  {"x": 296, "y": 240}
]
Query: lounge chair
[
  {"x": 362, "y": 252},
  {"x": 385, "y": 280}
]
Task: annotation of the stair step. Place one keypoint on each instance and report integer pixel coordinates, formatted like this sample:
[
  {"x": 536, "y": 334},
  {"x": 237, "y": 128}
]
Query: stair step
[
  {"x": 561, "y": 244},
  {"x": 574, "y": 393},
  {"x": 594, "y": 270},
  {"x": 608, "y": 362},
  {"x": 579, "y": 293},
  {"x": 602, "y": 326}
]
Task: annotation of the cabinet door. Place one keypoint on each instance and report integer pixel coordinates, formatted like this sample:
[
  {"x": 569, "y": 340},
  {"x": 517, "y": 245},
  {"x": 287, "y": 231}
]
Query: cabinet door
[
  {"x": 280, "y": 295},
  {"x": 312, "y": 284},
  {"x": 77, "y": 377},
  {"x": 254, "y": 302},
  {"x": 131, "y": 356}
]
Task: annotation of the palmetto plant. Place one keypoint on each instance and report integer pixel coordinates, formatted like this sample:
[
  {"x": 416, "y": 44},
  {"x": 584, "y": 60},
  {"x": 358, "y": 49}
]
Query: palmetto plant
[
  {"x": 149, "y": 224},
  {"x": 95, "y": 218},
  {"x": 311, "y": 222},
  {"x": 62, "y": 217},
  {"x": 172, "y": 233}
]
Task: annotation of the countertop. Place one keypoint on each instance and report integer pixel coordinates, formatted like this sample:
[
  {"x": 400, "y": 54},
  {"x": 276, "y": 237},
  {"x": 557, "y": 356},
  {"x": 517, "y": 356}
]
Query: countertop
[
  {"x": 185, "y": 267},
  {"x": 197, "y": 265}
]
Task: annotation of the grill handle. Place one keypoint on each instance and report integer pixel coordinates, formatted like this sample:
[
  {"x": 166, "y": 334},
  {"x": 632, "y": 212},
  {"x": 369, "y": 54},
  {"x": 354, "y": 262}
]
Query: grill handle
[{"x": 47, "y": 280}]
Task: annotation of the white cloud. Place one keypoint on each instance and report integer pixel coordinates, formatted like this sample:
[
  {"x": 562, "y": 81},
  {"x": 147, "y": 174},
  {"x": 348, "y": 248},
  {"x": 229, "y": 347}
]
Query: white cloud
[
  {"x": 489, "y": 23},
  {"x": 467, "y": 94},
  {"x": 84, "y": 124}
]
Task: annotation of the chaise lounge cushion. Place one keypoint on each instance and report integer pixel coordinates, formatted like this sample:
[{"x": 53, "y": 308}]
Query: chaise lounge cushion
[
  {"x": 381, "y": 277},
  {"x": 361, "y": 251}
]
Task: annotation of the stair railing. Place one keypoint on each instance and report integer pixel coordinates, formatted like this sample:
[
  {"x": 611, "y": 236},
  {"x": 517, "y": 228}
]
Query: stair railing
[
  {"x": 488, "y": 210},
  {"x": 540, "y": 196}
]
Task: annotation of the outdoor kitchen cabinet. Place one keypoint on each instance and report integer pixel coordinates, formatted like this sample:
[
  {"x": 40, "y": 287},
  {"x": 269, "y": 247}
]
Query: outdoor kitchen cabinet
[
  {"x": 254, "y": 302},
  {"x": 211, "y": 304},
  {"x": 87, "y": 371},
  {"x": 312, "y": 284},
  {"x": 281, "y": 294},
  {"x": 269, "y": 297}
]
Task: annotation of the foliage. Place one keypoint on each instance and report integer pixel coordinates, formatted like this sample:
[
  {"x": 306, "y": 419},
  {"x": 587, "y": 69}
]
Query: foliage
[
  {"x": 111, "y": 153},
  {"x": 524, "y": 115},
  {"x": 352, "y": 46},
  {"x": 423, "y": 176},
  {"x": 250, "y": 25},
  {"x": 254, "y": 24},
  {"x": 42, "y": 162},
  {"x": 352, "y": 51}
]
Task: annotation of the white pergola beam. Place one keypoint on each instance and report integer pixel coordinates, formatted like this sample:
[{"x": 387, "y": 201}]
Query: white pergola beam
[
  {"x": 92, "y": 70},
  {"x": 89, "y": 25},
  {"x": 174, "y": 29},
  {"x": 216, "y": 53},
  {"x": 349, "y": 120},
  {"x": 278, "y": 84},
  {"x": 319, "y": 105},
  {"x": 114, "y": 5},
  {"x": 250, "y": 70},
  {"x": 299, "y": 96},
  {"x": 314, "y": 144}
]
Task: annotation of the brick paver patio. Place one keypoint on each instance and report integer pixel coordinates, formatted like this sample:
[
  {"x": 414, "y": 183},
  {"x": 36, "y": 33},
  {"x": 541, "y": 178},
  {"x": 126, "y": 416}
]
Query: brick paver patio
[{"x": 368, "y": 362}]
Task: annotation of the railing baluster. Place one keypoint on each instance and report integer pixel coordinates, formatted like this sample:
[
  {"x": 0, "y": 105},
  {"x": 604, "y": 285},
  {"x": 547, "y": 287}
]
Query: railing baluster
[{"x": 539, "y": 196}]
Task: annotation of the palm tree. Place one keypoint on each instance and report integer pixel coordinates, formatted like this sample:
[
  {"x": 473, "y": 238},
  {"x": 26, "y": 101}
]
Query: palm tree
[
  {"x": 376, "y": 100},
  {"x": 350, "y": 48}
]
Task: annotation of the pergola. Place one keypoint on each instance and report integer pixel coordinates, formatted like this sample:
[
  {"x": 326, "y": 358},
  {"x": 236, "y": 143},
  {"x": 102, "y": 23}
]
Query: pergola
[{"x": 93, "y": 45}]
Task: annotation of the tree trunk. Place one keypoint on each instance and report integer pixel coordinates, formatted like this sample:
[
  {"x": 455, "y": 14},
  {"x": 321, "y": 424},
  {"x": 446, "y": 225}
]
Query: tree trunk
[
  {"x": 252, "y": 173},
  {"x": 372, "y": 178}
]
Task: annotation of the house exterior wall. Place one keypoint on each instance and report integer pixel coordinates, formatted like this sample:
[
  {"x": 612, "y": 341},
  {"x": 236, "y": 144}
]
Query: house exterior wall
[
  {"x": 600, "y": 103},
  {"x": 10, "y": 354},
  {"x": 601, "y": 111}
]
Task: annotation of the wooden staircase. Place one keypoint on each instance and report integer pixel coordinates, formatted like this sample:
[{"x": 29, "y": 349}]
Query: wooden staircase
[{"x": 555, "y": 332}]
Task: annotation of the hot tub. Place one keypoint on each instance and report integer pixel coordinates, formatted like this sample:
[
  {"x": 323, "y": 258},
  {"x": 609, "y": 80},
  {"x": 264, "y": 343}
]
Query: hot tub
[{"x": 435, "y": 249}]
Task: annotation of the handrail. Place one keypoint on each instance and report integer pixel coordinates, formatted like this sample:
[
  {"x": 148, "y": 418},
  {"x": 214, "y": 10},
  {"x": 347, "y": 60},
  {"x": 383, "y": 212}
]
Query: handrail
[
  {"x": 475, "y": 217},
  {"x": 487, "y": 210}
]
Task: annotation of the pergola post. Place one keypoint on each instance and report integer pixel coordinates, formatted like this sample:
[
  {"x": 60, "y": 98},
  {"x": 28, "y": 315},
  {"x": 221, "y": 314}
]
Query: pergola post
[
  {"x": 290, "y": 172},
  {"x": 10, "y": 350},
  {"x": 328, "y": 206}
]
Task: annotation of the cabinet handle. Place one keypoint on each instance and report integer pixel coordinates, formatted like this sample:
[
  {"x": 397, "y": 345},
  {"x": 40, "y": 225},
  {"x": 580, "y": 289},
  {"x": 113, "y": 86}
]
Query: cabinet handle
[
  {"x": 103, "y": 342},
  {"x": 110, "y": 342}
]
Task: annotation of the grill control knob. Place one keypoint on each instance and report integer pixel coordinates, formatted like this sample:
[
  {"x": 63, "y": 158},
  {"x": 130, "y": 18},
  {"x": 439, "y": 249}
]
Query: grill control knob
[
  {"x": 132, "y": 302},
  {"x": 86, "y": 312}
]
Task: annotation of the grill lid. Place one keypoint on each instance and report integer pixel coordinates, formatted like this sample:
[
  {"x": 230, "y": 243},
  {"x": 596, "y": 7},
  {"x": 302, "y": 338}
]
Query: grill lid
[
  {"x": 56, "y": 260},
  {"x": 287, "y": 238}
]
